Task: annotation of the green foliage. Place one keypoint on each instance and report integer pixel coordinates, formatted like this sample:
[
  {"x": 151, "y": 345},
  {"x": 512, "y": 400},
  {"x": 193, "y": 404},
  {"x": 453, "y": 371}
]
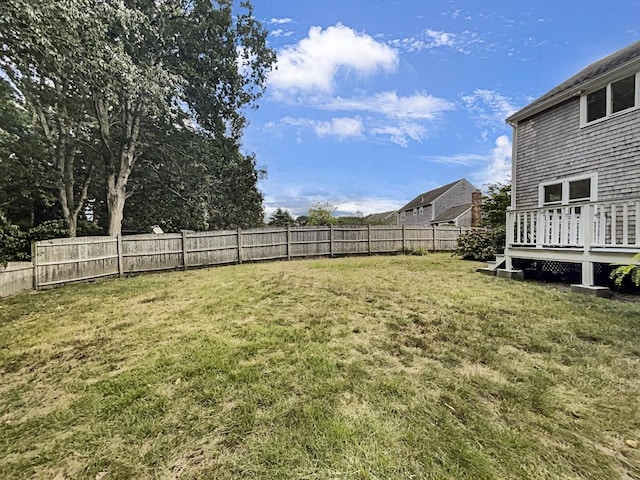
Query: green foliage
[
  {"x": 631, "y": 272},
  {"x": 476, "y": 245},
  {"x": 499, "y": 238},
  {"x": 27, "y": 184},
  {"x": 302, "y": 221},
  {"x": 13, "y": 242},
  {"x": 351, "y": 220},
  {"x": 321, "y": 214},
  {"x": 281, "y": 218},
  {"x": 483, "y": 245},
  {"x": 495, "y": 204},
  {"x": 47, "y": 230},
  {"x": 116, "y": 85},
  {"x": 191, "y": 181}
]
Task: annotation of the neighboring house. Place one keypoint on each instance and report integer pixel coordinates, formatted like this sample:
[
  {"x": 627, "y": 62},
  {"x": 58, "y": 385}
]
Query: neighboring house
[
  {"x": 441, "y": 205},
  {"x": 576, "y": 170},
  {"x": 459, "y": 216},
  {"x": 384, "y": 218}
]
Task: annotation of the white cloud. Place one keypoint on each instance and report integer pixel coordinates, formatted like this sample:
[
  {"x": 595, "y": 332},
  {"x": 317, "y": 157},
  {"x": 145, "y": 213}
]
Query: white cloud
[
  {"x": 457, "y": 159},
  {"x": 441, "y": 39},
  {"x": 488, "y": 108},
  {"x": 400, "y": 134},
  {"x": 341, "y": 127},
  {"x": 279, "y": 32},
  {"x": 498, "y": 164},
  {"x": 280, "y": 21},
  {"x": 367, "y": 205},
  {"x": 433, "y": 39},
  {"x": 402, "y": 114},
  {"x": 494, "y": 167},
  {"x": 313, "y": 63},
  {"x": 418, "y": 106},
  {"x": 297, "y": 201}
]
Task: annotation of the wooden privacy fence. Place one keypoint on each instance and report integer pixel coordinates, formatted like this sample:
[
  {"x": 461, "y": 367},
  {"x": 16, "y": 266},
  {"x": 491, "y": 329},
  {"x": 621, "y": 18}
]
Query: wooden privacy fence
[{"x": 67, "y": 260}]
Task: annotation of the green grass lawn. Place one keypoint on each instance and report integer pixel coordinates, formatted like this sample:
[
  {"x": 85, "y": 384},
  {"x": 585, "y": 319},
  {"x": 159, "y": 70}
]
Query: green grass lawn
[{"x": 356, "y": 368}]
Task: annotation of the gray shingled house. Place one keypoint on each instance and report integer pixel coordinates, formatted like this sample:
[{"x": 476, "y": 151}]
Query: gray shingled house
[
  {"x": 449, "y": 203},
  {"x": 576, "y": 171}
]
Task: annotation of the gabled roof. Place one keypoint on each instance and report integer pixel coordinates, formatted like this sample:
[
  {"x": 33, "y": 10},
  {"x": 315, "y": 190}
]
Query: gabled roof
[
  {"x": 382, "y": 217},
  {"x": 580, "y": 80},
  {"x": 451, "y": 214},
  {"x": 427, "y": 198}
]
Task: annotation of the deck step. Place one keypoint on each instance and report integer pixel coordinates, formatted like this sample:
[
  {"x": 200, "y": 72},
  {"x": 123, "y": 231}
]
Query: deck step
[{"x": 497, "y": 263}]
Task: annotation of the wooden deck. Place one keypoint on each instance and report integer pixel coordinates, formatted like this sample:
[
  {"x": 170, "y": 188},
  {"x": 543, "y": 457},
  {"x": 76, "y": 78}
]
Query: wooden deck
[{"x": 586, "y": 233}]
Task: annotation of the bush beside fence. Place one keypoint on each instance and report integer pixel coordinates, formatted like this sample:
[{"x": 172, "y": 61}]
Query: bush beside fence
[{"x": 66, "y": 260}]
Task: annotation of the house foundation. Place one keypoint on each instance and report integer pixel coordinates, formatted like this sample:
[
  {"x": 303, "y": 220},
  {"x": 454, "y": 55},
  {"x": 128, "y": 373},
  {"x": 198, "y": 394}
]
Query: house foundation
[
  {"x": 600, "y": 292},
  {"x": 510, "y": 274}
]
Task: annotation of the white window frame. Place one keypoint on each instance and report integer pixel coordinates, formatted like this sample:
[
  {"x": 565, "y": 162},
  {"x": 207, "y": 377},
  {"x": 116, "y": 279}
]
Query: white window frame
[
  {"x": 415, "y": 212},
  {"x": 593, "y": 197},
  {"x": 609, "y": 114},
  {"x": 420, "y": 210}
]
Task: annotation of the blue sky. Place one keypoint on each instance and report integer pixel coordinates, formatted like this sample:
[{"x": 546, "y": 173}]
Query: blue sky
[{"x": 376, "y": 101}]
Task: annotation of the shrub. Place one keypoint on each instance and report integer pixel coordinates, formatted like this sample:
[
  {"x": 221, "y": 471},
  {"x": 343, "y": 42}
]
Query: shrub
[
  {"x": 476, "y": 245},
  {"x": 499, "y": 236},
  {"x": 631, "y": 271},
  {"x": 13, "y": 242},
  {"x": 47, "y": 230}
]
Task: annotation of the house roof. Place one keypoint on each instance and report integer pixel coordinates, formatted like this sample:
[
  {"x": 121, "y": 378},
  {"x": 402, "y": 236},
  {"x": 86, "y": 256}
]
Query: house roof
[
  {"x": 576, "y": 83},
  {"x": 451, "y": 214},
  {"x": 428, "y": 197},
  {"x": 381, "y": 217}
]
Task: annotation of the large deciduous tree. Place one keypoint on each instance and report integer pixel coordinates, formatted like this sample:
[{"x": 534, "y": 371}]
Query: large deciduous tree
[
  {"x": 105, "y": 76},
  {"x": 42, "y": 55}
]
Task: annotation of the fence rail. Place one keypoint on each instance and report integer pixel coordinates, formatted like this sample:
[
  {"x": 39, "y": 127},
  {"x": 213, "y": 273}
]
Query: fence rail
[{"x": 60, "y": 261}]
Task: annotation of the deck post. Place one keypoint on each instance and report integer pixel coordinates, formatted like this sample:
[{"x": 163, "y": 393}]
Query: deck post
[
  {"x": 587, "y": 228},
  {"x": 540, "y": 228}
]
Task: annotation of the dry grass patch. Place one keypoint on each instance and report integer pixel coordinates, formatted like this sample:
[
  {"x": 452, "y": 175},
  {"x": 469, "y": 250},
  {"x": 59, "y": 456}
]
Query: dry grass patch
[{"x": 363, "y": 368}]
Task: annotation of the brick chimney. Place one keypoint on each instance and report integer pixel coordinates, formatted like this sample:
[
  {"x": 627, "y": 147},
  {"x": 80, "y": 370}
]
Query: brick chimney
[{"x": 476, "y": 211}]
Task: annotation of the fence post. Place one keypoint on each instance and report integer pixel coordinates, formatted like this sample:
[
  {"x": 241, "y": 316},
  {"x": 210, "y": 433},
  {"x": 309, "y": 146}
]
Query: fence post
[
  {"x": 404, "y": 239},
  {"x": 331, "y": 240},
  {"x": 119, "y": 249},
  {"x": 185, "y": 261},
  {"x": 369, "y": 237},
  {"x": 433, "y": 232},
  {"x": 239, "y": 245},
  {"x": 288, "y": 242},
  {"x": 34, "y": 261}
]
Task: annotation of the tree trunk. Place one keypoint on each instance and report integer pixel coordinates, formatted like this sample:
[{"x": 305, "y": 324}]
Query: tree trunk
[
  {"x": 116, "y": 195},
  {"x": 118, "y": 161},
  {"x": 58, "y": 130}
]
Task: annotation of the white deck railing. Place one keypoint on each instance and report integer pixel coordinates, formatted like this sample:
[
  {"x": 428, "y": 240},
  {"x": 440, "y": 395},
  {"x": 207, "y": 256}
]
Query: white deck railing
[{"x": 608, "y": 224}]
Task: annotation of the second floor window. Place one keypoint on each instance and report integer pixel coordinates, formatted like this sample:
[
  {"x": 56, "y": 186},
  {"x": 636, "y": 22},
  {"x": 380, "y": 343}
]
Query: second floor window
[{"x": 614, "y": 97}]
